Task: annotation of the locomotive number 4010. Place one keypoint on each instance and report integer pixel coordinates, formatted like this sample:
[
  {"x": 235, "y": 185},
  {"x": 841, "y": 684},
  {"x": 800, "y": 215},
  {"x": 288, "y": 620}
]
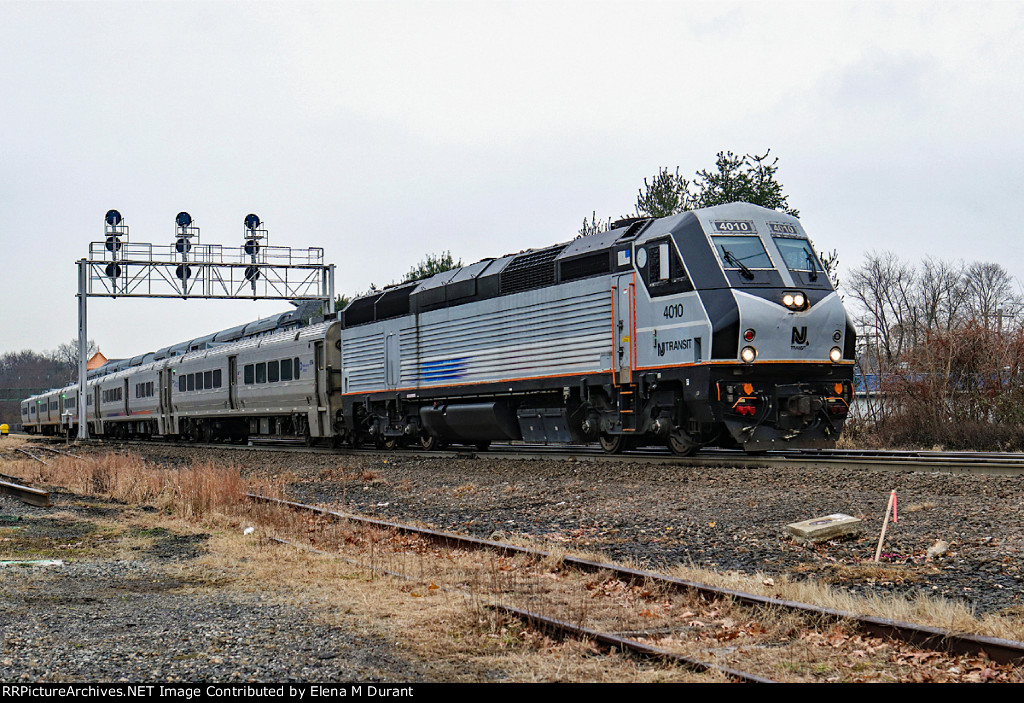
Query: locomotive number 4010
[
  {"x": 673, "y": 311},
  {"x": 735, "y": 226}
]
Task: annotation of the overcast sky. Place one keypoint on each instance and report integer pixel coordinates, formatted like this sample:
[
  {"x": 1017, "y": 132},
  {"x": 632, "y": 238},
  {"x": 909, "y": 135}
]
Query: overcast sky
[{"x": 383, "y": 131}]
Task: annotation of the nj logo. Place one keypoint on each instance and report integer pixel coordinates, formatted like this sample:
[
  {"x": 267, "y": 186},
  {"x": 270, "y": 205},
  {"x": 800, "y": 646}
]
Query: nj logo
[{"x": 800, "y": 337}]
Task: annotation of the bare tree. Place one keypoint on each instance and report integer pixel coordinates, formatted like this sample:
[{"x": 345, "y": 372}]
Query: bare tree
[
  {"x": 883, "y": 286},
  {"x": 942, "y": 295},
  {"x": 594, "y": 226},
  {"x": 66, "y": 357},
  {"x": 948, "y": 349},
  {"x": 990, "y": 294}
]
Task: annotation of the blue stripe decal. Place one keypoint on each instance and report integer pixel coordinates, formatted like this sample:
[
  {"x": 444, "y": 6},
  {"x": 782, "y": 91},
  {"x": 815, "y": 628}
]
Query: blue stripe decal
[{"x": 444, "y": 370}]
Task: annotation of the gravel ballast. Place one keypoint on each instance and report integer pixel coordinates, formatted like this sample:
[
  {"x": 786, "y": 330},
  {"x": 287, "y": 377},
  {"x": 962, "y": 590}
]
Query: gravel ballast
[
  {"x": 658, "y": 515},
  {"x": 155, "y": 617}
]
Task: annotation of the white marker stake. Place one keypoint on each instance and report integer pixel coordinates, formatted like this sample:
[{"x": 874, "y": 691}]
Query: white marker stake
[{"x": 881, "y": 538}]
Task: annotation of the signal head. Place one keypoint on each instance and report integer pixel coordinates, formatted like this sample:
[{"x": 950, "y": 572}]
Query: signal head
[
  {"x": 112, "y": 218},
  {"x": 252, "y": 221},
  {"x": 183, "y": 219}
]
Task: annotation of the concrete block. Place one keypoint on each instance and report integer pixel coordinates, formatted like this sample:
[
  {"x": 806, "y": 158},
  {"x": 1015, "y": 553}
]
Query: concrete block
[{"x": 820, "y": 529}]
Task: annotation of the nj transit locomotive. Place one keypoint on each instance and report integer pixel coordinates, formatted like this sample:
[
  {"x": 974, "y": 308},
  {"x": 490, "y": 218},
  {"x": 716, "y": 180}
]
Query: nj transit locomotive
[{"x": 715, "y": 327}]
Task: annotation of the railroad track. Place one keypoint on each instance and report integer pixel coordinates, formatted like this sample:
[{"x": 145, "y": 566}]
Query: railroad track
[
  {"x": 929, "y": 638},
  {"x": 562, "y": 628},
  {"x": 992, "y": 463},
  {"x": 932, "y": 638},
  {"x": 11, "y": 485}
]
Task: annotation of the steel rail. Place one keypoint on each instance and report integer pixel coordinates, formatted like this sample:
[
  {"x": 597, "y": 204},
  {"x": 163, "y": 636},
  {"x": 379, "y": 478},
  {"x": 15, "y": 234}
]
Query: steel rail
[
  {"x": 32, "y": 456},
  {"x": 59, "y": 452},
  {"x": 562, "y": 628},
  {"x": 1000, "y": 464},
  {"x": 609, "y": 640},
  {"x": 997, "y": 649},
  {"x": 32, "y": 496}
]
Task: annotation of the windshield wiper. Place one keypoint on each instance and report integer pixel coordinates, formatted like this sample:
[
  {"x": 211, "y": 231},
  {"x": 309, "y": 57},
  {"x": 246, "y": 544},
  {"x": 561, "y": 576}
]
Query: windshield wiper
[
  {"x": 814, "y": 267},
  {"x": 729, "y": 258}
]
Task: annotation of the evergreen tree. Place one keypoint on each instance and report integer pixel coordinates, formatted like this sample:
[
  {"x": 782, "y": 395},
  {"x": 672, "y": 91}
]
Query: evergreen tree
[
  {"x": 747, "y": 179},
  {"x": 666, "y": 194},
  {"x": 433, "y": 264}
]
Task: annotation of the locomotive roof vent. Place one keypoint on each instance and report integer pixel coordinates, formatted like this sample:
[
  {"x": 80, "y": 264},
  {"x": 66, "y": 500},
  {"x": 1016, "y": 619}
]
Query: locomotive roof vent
[
  {"x": 532, "y": 269},
  {"x": 634, "y": 226}
]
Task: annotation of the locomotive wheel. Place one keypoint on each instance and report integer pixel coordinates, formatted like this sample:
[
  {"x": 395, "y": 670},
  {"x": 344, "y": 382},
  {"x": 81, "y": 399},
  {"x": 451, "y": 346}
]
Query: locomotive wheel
[
  {"x": 682, "y": 447},
  {"x": 613, "y": 444},
  {"x": 389, "y": 443},
  {"x": 429, "y": 442}
]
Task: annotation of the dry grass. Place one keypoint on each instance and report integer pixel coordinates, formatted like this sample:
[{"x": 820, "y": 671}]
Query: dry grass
[
  {"x": 190, "y": 492},
  {"x": 933, "y": 611},
  {"x": 440, "y": 610},
  {"x": 452, "y": 630}
]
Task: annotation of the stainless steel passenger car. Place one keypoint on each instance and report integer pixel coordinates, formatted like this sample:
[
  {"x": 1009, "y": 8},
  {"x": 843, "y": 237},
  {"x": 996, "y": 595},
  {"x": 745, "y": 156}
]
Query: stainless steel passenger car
[{"x": 268, "y": 378}]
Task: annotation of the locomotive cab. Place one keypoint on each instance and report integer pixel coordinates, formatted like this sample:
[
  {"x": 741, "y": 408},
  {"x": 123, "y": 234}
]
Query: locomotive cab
[{"x": 761, "y": 352}]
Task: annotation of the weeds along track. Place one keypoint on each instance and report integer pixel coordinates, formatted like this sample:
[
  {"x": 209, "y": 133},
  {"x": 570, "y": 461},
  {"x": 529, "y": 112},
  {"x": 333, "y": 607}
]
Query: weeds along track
[
  {"x": 661, "y": 514},
  {"x": 554, "y": 627},
  {"x": 742, "y": 636},
  {"x": 518, "y": 595}
]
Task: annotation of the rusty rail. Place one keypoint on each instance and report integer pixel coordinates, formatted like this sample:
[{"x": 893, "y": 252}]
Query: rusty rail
[
  {"x": 997, "y": 649},
  {"x": 32, "y": 496}
]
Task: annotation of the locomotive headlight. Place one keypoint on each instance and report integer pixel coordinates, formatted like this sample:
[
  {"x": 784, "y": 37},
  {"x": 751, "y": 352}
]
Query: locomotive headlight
[
  {"x": 794, "y": 300},
  {"x": 748, "y": 354},
  {"x": 835, "y": 355}
]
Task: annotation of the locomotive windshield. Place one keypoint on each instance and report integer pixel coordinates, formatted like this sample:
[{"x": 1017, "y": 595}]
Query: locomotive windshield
[
  {"x": 797, "y": 254},
  {"x": 742, "y": 252}
]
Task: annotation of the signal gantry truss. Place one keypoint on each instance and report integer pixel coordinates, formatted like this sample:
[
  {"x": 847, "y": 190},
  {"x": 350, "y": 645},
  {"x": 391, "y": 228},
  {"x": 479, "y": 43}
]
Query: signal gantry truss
[
  {"x": 187, "y": 268},
  {"x": 118, "y": 267}
]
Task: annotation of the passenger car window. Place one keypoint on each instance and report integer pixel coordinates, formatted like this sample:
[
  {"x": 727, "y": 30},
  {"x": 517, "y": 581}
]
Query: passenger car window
[
  {"x": 286, "y": 369},
  {"x": 272, "y": 372},
  {"x": 249, "y": 374},
  {"x": 216, "y": 378},
  {"x": 261, "y": 372}
]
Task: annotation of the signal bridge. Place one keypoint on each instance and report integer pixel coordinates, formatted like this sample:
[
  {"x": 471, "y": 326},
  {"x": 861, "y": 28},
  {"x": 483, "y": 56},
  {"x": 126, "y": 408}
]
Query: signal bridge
[{"x": 188, "y": 268}]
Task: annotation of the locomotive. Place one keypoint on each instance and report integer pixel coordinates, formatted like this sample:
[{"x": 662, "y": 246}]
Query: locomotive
[{"x": 713, "y": 327}]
